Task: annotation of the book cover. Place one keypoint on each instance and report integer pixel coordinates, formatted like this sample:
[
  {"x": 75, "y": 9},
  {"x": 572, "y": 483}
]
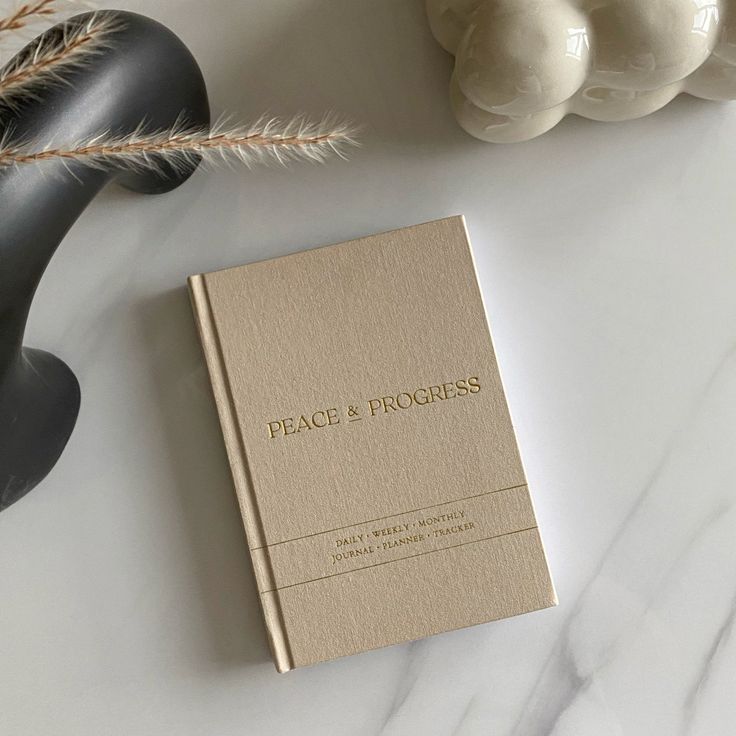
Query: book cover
[{"x": 370, "y": 442}]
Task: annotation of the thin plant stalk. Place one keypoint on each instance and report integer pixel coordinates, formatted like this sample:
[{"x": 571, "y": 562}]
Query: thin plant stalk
[
  {"x": 52, "y": 55},
  {"x": 180, "y": 147},
  {"x": 26, "y": 14}
]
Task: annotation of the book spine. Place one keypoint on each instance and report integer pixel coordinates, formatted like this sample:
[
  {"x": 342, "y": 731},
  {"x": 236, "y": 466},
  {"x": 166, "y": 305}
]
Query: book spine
[{"x": 212, "y": 348}]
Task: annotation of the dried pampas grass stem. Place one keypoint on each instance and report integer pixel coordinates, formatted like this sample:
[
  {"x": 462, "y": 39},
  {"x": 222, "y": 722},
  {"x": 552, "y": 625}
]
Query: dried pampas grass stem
[
  {"x": 74, "y": 44},
  {"x": 27, "y": 13},
  {"x": 180, "y": 148},
  {"x": 53, "y": 54}
]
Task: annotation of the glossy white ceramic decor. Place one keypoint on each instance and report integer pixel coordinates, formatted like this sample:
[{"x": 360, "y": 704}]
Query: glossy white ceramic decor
[{"x": 522, "y": 65}]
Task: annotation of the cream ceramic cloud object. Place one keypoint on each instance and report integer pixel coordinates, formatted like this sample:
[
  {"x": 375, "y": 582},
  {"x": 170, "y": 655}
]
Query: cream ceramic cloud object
[{"x": 522, "y": 65}]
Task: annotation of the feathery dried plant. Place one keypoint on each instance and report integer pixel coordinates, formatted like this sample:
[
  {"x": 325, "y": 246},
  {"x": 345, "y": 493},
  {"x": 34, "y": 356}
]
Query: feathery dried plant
[
  {"x": 52, "y": 56},
  {"x": 25, "y": 14},
  {"x": 47, "y": 59},
  {"x": 180, "y": 147}
]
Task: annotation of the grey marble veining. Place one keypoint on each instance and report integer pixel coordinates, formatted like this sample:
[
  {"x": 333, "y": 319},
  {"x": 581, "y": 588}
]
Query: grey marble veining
[{"x": 607, "y": 262}]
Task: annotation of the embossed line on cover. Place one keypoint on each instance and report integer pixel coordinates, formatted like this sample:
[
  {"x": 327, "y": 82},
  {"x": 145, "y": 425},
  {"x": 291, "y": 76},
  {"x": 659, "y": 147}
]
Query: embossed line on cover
[
  {"x": 407, "y": 557},
  {"x": 390, "y": 516},
  {"x": 392, "y": 538},
  {"x": 235, "y": 446}
]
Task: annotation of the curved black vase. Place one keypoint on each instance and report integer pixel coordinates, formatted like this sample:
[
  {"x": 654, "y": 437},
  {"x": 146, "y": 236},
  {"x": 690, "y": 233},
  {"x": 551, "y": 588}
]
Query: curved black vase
[{"x": 146, "y": 74}]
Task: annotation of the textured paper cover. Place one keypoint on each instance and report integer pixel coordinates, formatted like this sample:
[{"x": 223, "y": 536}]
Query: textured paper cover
[{"x": 388, "y": 516}]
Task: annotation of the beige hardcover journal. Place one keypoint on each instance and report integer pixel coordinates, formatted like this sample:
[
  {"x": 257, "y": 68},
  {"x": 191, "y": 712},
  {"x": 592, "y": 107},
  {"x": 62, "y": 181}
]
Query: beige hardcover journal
[{"x": 370, "y": 442}]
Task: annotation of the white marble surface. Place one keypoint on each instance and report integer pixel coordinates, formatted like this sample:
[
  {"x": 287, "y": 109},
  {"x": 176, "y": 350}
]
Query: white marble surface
[{"x": 607, "y": 258}]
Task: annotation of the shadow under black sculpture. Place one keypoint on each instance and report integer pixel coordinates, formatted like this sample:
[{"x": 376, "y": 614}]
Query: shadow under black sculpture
[{"x": 145, "y": 75}]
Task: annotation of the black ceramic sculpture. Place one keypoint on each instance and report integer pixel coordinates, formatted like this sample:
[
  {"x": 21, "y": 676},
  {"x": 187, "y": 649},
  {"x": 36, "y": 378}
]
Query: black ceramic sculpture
[{"x": 145, "y": 74}]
